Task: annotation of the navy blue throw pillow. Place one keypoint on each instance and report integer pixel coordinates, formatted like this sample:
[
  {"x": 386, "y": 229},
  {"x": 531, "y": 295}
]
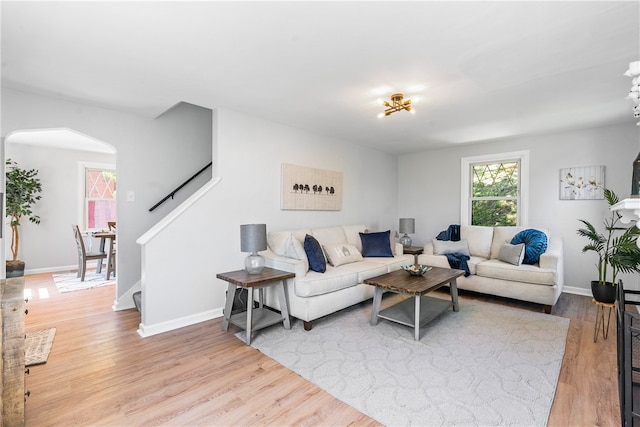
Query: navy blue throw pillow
[
  {"x": 376, "y": 244},
  {"x": 535, "y": 244},
  {"x": 317, "y": 261}
]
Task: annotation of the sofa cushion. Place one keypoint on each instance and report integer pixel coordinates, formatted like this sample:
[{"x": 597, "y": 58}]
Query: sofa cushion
[
  {"x": 535, "y": 243},
  {"x": 334, "y": 279},
  {"x": 513, "y": 254},
  {"x": 497, "y": 269},
  {"x": 443, "y": 247},
  {"x": 479, "y": 239},
  {"x": 352, "y": 232},
  {"x": 376, "y": 244},
  {"x": 286, "y": 243},
  {"x": 341, "y": 253},
  {"x": 278, "y": 241},
  {"x": 317, "y": 261},
  {"x": 329, "y": 235},
  {"x": 294, "y": 249},
  {"x": 392, "y": 263},
  {"x": 502, "y": 234}
]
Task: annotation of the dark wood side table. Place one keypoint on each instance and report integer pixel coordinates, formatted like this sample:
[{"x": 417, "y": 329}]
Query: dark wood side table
[
  {"x": 413, "y": 250},
  {"x": 261, "y": 317},
  {"x": 421, "y": 309}
]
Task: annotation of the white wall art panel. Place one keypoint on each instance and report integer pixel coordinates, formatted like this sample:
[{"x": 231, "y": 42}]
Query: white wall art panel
[{"x": 313, "y": 189}]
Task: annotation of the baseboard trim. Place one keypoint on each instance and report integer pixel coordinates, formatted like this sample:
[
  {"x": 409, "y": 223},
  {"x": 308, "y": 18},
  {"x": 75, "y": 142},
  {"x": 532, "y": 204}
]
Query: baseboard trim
[
  {"x": 66, "y": 268},
  {"x": 149, "y": 330},
  {"x": 577, "y": 291},
  {"x": 125, "y": 302}
]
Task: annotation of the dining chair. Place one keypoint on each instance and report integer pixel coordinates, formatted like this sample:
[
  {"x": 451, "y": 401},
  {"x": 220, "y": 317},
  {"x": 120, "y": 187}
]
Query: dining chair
[{"x": 84, "y": 256}]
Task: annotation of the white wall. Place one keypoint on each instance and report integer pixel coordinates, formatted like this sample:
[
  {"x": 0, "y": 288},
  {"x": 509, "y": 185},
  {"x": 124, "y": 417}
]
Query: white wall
[
  {"x": 153, "y": 157},
  {"x": 429, "y": 186},
  {"x": 205, "y": 240},
  {"x": 50, "y": 245}
]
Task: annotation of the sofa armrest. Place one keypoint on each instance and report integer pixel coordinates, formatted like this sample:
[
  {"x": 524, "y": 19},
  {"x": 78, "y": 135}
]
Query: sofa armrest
[
  {"x": 291, "y": 265},
  {"x": 399, "y": 249},
  {"x": 428, "y": 248},
  {"x": 553, "y": 257}
]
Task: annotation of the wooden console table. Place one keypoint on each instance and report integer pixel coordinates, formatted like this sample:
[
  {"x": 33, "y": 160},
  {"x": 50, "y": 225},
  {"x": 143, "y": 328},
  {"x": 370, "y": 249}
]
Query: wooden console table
[
  {"x": 13, "y": 357},
  {"x": 261, "y": 317}
]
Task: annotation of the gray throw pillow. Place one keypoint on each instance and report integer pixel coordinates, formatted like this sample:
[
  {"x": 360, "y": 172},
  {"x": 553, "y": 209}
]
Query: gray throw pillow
[
  {"x": 443, "y": 247},
  {"x": 513, "y": 254}
]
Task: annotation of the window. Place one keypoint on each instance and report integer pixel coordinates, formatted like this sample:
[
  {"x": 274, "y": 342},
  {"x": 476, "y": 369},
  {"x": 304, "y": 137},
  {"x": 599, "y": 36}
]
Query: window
[
  {"x": 494, "y": 189},
  {"x": 99, "y": 195}
]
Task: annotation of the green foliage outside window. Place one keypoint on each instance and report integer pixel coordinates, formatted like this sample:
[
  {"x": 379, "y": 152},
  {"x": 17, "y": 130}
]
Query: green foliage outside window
[{"x": 494, "y": 199}]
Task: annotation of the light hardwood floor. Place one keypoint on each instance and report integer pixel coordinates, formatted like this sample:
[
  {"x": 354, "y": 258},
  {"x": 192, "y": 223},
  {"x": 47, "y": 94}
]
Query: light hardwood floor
[{"x": 101, "y": 372}]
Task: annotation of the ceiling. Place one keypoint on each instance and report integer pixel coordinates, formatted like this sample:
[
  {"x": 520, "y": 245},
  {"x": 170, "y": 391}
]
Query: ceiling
[{"x": 482, "y": 70}]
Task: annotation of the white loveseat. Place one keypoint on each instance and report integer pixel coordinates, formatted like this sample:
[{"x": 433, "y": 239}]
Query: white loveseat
[
  {"x": 311, "y": 294},
  {"x": 540, "y": 283}
]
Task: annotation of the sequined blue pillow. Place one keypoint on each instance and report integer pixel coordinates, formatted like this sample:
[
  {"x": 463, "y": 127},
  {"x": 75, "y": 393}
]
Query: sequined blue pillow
[{"x": 535, "y": 244}]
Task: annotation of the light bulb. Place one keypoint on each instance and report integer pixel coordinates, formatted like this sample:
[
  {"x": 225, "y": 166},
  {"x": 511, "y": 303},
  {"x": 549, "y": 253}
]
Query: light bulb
[{"x": 380, "y": 115}]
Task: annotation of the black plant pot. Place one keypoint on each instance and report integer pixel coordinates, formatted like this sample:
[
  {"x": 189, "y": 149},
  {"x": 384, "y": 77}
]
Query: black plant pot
[
  {"x": 604, "y": 293},
  {"x": 14, "y": 269}
]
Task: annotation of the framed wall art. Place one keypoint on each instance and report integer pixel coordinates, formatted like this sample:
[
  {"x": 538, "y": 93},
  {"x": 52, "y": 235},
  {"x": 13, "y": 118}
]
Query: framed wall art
[
  {"x": 306, "y": 188},
  {"x": 582, "y": 183}
]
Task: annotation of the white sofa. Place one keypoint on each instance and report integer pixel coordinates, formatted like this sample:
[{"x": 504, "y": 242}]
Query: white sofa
[
  {"x": 539, "y": 283},
  {"x": 311, "y": 294}
]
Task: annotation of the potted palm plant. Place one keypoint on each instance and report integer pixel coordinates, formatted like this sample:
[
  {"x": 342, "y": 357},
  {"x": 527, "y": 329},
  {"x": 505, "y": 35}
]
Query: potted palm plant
[
  {"x": 23, "y": 190},
  {"x": 617, "y": 251}
]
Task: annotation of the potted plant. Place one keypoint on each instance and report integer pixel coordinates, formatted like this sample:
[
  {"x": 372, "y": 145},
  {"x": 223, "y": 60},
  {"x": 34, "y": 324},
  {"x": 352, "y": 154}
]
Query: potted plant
[
  {"x": 616, "y": 248},
  {"x": 23, "y": 190}
]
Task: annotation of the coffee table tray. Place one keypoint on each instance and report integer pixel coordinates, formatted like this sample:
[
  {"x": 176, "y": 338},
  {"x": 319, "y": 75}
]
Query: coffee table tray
[{"x": 404, "y": 311}]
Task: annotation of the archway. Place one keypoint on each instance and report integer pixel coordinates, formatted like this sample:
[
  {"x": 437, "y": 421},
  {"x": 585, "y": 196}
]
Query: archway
[{"x": 59, "y": 155}]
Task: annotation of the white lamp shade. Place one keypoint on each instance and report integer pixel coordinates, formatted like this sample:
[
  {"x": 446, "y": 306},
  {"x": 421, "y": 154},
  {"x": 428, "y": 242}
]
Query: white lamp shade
[
  {"x": 253, "y": 237},
  {"x": 407, "y": 225}
]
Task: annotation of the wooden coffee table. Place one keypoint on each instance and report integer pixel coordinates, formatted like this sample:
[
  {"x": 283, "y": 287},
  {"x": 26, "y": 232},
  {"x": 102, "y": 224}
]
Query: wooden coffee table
[{"x": 422, "y": 309}]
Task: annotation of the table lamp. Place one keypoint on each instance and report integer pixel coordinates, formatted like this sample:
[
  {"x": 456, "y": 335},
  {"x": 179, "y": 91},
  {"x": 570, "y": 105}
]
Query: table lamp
[
  {"x": 407, "y": 226},
  {"x": 253, "y": 238}
]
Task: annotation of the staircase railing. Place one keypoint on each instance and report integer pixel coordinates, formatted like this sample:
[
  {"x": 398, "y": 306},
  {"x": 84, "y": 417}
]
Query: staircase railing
[{"x": 171, "y": 194}]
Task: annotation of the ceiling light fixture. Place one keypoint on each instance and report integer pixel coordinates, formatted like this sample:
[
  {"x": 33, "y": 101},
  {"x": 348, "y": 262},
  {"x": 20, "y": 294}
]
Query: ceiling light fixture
[{"x": 397, "y": 103}]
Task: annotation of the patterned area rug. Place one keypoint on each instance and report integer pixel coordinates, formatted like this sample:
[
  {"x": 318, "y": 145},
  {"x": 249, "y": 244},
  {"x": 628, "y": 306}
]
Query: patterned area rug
[
  {"x": 38, "y": 345},
  {"x": 70, "y": 282},
  {"x": 485, "y": 365}
]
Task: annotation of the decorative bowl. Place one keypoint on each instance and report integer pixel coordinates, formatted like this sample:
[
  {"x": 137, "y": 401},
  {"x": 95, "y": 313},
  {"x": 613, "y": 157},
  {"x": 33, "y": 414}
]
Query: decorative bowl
[{"x": 416, "y": 269}]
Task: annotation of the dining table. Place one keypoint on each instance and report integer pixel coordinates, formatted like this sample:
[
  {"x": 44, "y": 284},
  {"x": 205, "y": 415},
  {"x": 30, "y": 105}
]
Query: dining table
[{"x": 109, "y": 236}]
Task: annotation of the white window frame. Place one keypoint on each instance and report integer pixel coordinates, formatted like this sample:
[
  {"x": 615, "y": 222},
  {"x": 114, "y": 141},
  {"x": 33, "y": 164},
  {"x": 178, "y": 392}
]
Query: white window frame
[
  {"x": 82, "y": 167},
  {"x": 467, "y": 183}
]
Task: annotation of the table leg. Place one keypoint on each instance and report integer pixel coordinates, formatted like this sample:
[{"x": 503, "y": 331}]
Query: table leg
[
  {"x": 453, "y": 287},
  {"x": 249, "y": 315},
  {"x": 231, "y": 292},
  {"x": 284, "y": 309},
  {"x": 110, "y": 261},
  {"x": 416, "y": 326},
  {"x": 99, "y": 266},
  {"x": 596, "y": 331},
  {"x": 377, "y": 298},
  {"x": 605, "y": 333},
  {"x": 600, "y": 323}
]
